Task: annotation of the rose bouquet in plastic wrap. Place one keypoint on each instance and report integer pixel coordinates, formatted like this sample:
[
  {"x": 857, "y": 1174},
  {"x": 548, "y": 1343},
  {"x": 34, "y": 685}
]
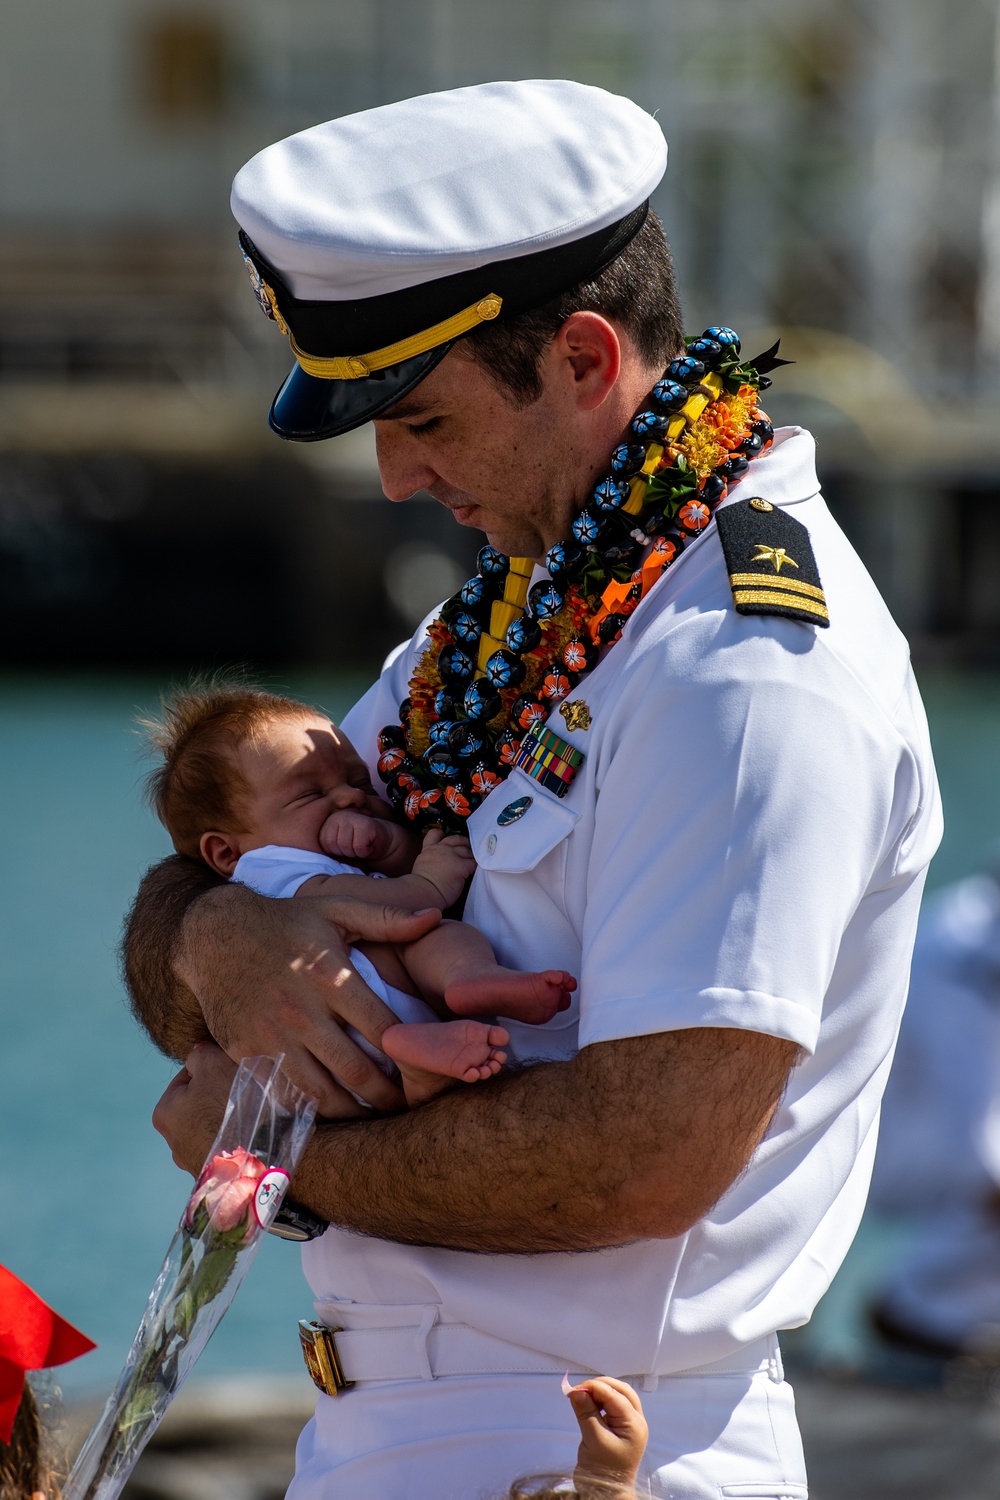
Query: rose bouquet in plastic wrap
[{"x": 260, "y": 1142}]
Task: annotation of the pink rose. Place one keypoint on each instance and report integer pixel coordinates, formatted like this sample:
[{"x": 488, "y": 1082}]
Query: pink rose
[{"x": 226, "y": 1187}]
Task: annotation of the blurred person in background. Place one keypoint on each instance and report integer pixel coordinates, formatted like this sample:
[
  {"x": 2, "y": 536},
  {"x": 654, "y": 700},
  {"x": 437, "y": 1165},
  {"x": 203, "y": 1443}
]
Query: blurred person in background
[
  {"x": 32, "y": 1337},
  {"x": 682, "y": 731},
  {"x": 938, "y": 1159}
]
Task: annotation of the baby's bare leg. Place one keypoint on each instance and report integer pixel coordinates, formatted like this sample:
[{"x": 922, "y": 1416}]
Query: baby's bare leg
[
  {"x": 387, "y": 963},
  {"x": 456, "y": 963},
  {"x": 434, "y": 1055}
]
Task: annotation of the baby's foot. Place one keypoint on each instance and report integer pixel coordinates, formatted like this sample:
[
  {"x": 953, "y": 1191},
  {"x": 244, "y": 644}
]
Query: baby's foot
[
  {"x": 432, "y": 1055},
  {"x": 533, "y": 998}
]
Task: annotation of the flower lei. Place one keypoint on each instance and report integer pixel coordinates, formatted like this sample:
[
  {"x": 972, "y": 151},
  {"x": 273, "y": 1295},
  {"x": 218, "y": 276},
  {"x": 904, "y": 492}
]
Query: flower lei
[{"x": 504, "y": 652}]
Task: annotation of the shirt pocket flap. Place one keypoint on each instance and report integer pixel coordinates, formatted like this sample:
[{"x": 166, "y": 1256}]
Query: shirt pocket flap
[{"x": 517, "y": 825}]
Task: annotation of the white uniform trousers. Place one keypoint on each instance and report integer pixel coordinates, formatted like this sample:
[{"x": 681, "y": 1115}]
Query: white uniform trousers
[{"x": 712, "y": 1437}]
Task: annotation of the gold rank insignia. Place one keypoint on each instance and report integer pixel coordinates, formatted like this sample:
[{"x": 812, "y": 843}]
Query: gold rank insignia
[
  {"x": 776, "y": 555},
  {"x": 576, "y": 713},
  {"x": 760, "y": 542}
]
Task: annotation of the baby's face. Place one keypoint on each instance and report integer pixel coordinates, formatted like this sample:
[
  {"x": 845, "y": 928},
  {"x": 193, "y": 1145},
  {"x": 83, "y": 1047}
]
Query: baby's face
[{"x": 300, "y": 771}]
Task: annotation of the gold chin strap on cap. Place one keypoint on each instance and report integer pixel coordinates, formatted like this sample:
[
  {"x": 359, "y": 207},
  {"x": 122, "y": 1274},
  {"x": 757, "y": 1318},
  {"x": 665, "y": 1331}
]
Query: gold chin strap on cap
[{"x": 357, "y": 366}]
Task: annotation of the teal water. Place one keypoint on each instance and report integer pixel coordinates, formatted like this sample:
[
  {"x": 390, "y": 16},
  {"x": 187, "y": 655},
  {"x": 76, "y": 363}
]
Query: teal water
[{"x": 90, "y": 1195}]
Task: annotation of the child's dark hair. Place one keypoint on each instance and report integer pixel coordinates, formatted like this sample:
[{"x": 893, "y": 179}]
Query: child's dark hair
[
  {"x": 198, "y": 786},
  {"x": 24, "y": 1468}
]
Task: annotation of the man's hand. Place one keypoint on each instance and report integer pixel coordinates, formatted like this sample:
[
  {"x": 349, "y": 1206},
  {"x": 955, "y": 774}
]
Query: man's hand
[
  {"x": 447, "y": 861},
  {"x": 190, "y": 1109},
  {"x": 274, "y": 977}
]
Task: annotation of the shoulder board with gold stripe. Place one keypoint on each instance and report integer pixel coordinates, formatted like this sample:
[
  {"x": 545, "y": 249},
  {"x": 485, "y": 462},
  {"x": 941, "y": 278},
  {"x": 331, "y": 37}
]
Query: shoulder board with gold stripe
[{"x": 772, "y": 570}]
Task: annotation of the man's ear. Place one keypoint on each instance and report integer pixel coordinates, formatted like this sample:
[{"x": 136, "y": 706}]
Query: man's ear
[
  {"x": 591, "y": 353},
  {"x": 219, "y": 853}
]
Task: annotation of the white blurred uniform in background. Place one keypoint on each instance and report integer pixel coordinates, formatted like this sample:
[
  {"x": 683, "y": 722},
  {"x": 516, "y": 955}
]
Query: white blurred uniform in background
[{"x": 939, "y": 1150}]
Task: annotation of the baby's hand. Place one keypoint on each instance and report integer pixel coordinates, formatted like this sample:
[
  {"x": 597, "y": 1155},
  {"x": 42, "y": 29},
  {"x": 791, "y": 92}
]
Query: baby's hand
[
  {"x": 350, "y": 834},
  {"x": 447, "y": 862},
  {"x": 613, "y": 1434}
]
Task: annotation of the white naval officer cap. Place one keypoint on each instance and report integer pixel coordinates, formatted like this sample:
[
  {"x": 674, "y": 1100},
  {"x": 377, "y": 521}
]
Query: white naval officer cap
[{"x": 377, "y": 240}]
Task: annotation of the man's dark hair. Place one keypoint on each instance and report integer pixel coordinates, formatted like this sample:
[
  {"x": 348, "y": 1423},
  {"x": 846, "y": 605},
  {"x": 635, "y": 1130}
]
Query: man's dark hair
[{"x": 637, "y": 291}]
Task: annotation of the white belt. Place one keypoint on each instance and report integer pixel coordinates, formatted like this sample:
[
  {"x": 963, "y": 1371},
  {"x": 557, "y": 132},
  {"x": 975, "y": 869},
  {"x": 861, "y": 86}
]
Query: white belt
[{"x": 423, "y": 1349}]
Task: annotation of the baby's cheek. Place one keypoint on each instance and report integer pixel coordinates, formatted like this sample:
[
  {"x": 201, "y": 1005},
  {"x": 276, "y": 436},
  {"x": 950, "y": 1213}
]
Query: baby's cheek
[{"x": 381, "y": 810}]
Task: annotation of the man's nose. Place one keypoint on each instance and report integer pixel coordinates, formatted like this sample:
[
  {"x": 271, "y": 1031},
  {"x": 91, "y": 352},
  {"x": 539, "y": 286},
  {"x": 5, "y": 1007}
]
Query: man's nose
[{"x": 401, "y": 468}]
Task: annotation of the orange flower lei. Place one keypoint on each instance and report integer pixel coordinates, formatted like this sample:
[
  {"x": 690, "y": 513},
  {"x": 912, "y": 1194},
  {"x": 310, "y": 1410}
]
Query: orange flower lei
[{"x": 702, "y": 429}]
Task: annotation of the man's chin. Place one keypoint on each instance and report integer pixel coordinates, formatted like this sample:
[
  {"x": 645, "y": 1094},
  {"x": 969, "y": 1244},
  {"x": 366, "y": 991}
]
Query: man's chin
[{"x": 509, "y": 543}]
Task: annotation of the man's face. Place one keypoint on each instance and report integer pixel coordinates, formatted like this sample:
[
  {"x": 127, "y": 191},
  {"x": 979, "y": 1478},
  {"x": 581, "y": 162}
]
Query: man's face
[
  {"x": 300, "y": 771},
  {"x": 517, "y": 473}
]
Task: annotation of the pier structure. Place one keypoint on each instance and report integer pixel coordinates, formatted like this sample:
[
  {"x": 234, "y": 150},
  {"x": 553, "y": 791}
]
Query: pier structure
[{"x": 834, "y": 178}]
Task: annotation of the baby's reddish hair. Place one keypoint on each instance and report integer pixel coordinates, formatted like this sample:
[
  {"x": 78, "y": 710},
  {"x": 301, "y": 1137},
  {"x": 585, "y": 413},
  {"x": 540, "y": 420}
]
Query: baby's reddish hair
[{"x": 199, "y": 787}]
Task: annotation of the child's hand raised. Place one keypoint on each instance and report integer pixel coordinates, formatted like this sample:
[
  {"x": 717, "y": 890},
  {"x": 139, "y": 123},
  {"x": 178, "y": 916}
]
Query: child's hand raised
[{"x": 613, "y": 1435}]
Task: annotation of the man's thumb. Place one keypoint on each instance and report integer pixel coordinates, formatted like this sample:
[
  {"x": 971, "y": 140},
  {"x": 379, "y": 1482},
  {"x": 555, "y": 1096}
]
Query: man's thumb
[{"x": 406, "y": 926}]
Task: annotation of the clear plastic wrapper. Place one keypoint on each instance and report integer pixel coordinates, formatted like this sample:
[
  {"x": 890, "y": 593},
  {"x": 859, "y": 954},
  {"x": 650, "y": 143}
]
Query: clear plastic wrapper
[{"x": 260, "y": 1143}]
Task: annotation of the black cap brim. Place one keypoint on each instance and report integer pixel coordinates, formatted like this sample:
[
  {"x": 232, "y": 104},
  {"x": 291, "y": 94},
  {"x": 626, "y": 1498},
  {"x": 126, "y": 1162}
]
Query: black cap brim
[{"x": 307, "y": 409}]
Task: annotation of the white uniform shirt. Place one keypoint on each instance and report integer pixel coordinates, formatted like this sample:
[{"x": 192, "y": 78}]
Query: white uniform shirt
[{"x": 744, "y": 846}]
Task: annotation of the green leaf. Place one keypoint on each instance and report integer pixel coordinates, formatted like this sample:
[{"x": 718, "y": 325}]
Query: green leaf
[
  {"x": 671, "y": 486},
  {"x": 199, "y": 1223},
  {"x": 185, "y": 1314},
  {"x": 239, "y": 1235},
  {"x": 211, "y": 1276},
  {"x": 141, "y": 1409}
]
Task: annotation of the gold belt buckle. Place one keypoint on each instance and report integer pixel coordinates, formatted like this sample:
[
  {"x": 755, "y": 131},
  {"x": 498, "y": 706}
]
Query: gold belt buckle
[{"x": 319, "y": 1350}]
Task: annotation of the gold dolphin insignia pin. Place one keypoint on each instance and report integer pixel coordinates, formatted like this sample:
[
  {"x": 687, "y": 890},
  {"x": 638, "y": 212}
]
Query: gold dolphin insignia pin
[{"x": 576, "y": 713}]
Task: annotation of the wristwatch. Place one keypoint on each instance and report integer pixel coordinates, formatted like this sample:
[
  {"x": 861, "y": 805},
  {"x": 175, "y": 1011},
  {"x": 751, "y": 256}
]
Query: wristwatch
[{"x": 293, "y": 1222}]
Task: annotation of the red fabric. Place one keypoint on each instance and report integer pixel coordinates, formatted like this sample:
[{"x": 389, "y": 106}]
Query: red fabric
[{"x": 32, "y": 1337}]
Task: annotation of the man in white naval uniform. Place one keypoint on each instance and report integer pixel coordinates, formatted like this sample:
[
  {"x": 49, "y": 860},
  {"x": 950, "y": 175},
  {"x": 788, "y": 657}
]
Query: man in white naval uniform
[{"x": 734, "y": 875}]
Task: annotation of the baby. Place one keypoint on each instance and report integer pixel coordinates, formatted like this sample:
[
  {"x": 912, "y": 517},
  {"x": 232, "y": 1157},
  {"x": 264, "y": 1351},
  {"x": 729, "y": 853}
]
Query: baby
[{"x": 268, "y": 792}]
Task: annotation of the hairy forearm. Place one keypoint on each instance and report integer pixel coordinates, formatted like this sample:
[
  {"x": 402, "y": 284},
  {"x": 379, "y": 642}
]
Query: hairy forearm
[
  {"x": 160, "y": 1000},
  {"x": 633, "y": 1139}
]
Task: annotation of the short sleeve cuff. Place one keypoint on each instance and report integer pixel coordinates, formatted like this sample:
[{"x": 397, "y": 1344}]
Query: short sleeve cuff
[{"x": 680, "y": 1010}]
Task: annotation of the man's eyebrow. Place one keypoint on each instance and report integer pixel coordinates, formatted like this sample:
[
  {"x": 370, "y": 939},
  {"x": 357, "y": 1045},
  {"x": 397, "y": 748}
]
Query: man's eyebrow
[{"x": 405, "y": 408}]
